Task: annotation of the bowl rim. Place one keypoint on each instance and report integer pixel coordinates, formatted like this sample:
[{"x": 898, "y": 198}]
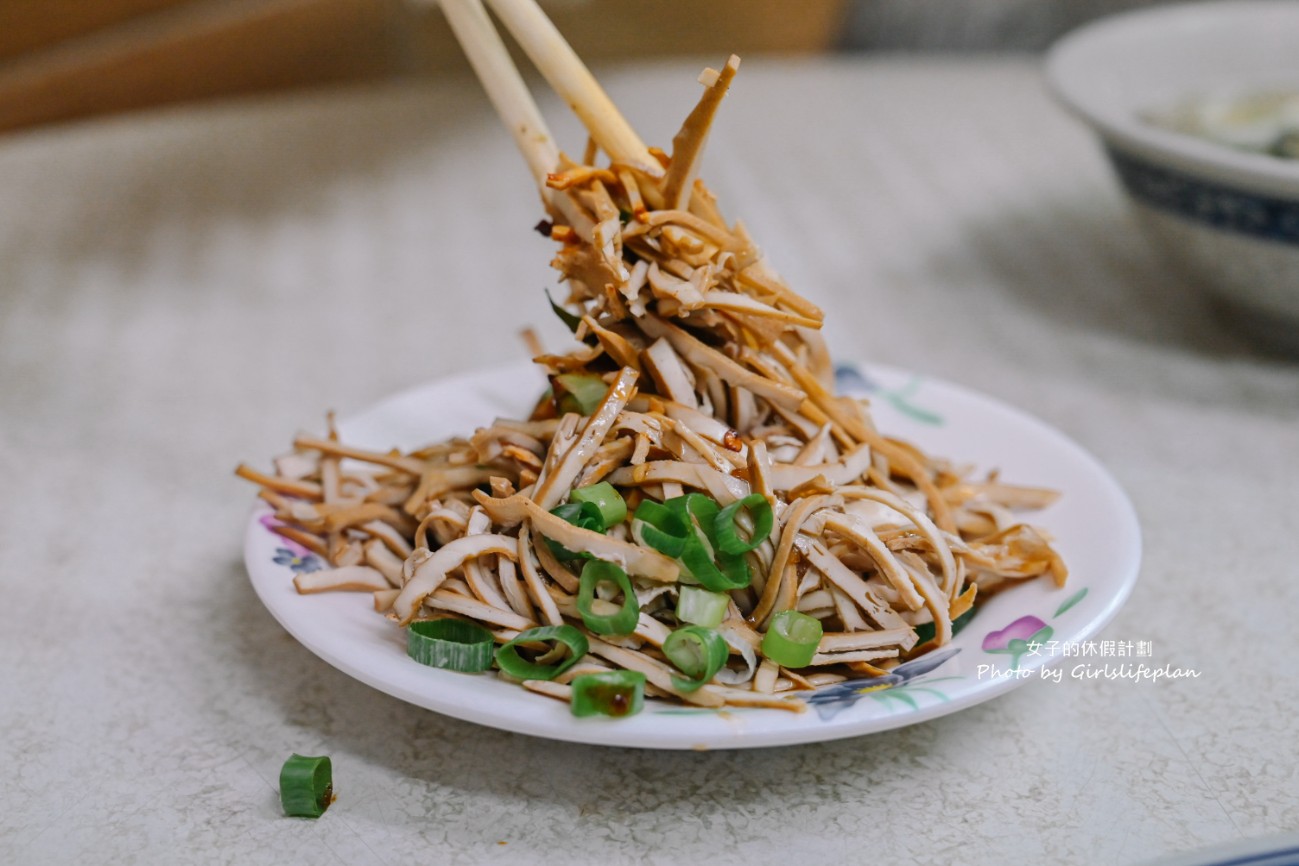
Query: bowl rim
[{"x": 1123, "y": 129}]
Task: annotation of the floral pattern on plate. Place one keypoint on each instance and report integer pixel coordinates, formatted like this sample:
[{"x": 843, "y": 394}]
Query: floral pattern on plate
[{"x": 849, "y": 379}]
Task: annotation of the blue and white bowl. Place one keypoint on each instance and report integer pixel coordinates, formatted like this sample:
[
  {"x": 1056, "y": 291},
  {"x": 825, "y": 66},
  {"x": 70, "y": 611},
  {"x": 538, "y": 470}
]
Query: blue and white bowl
[{"x": 1228, "y": 218}]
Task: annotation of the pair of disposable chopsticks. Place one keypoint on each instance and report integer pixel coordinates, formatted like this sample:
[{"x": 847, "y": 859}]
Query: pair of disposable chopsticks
[{"x": 561, "y": 68}]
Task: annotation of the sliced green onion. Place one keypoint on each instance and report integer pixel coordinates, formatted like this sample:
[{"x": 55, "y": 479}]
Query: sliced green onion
[
  {"x": 713, "y": 571},
  {"x": 695, "y": 507},
  {"x": 595, "y": 572},
  {"x": 698, "y": 652},
  {"x": 608, "y": 693},
  {"x": 306, "y": 786},
  {"x": 925, "y": 631},
  {"x": 725, "y": 573},
  {"x": 565, "y": 316},
  {"x": 701, "y": 607},
  {"x": 724, "y": 525},
  {"x": 453, "y": 644},
  {"x": 682, "y": 528},
  {"x": 612, "y": 507},
  {"x": 792, "y": 639},
  {"x": 578, "y": 392},
  {"x": 584, "y": 514},
  {"x": 510, "y": 661},
  {"x": 655, "y": 525}
]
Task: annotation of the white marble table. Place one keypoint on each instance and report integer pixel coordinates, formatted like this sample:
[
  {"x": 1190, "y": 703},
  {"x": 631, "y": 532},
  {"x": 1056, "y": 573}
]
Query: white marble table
[{"x": 182, "y": 291}]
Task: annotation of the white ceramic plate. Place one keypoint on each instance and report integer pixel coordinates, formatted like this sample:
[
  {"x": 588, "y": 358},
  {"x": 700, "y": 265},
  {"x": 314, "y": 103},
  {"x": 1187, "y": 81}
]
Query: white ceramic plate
[{"x": 1002, "y": 646}]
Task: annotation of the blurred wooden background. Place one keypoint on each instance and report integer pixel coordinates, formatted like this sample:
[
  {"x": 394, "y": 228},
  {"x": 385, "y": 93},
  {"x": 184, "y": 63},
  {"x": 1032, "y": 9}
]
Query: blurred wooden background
[{"x": 63, "y": 59}]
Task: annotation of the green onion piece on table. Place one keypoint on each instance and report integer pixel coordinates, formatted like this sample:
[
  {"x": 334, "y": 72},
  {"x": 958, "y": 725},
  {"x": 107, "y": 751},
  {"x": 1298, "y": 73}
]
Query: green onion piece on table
[
  {"x": 656, "y": 526},
  {"x": 306, "y": 786},
  {"x": 612, "y": 507},
  {"x": 698, "y": 652},
  {"x": 594, "y": 573},
  {"x": 725, "y": 532},
  {"x": 512, "y": 662},
  {"x": 578, "y": 392},
  {"x": 453, "y": 644},
  {"x": 608, "y": 693},
  {"x": 792, "y": 639}
]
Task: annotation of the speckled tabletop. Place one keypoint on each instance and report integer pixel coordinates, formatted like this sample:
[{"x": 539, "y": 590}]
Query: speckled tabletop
[{"x": 183, "y": 290}]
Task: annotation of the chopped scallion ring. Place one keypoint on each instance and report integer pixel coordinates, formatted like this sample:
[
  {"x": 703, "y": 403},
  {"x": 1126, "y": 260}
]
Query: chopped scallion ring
[
  {"x": 578, "y": 392},
  {"x": 595, "y": 572},
  {"x": 725, "y": 573},
  {"x": 792, "y": 639},
  {"x": 701, "y": 607},
  {"x": 453, "y": 644},
  {"x": 698, "y": 652},
  {"x": 584, "y": 514},
  {"x": 656, "y": 526},
  {"x": 695, "y": 507},
  {"x": 715, "y": 571},
  {"x": 608, "y": 693},
  {"x": 306, "y": 786},
  {"x": 726, "y": 537},
  {"x": 511, "y": 662},
  {"x": 609, "y": 502}
]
